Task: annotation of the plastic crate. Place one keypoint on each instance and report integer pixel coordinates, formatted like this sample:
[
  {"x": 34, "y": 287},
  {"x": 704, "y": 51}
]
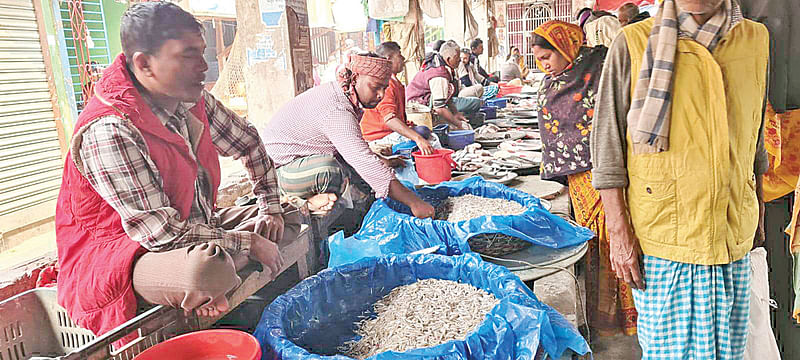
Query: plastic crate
[{"x": 34, "y": 326}]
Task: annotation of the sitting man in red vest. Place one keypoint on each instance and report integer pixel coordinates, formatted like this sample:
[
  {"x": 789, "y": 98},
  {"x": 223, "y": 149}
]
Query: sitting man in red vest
[{"x": 136, "y": 217}]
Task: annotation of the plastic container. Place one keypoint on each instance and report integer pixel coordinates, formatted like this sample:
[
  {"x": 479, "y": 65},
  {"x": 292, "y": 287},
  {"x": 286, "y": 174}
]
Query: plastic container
[
  {"x": 490, "y": 111},
  {"x": 499, "y": 103},
  {"x": 459, "y": 139},
  {"x": 436, "y": 167},
  {"x": 218, "y": 344},
  {"x": 476, "y": 120},
  {"x": 509, "y": 89},
  {"x": 441, "y": 132},
  {"x": 36, "y": 326},
  {"x": 423, "y": 131}
]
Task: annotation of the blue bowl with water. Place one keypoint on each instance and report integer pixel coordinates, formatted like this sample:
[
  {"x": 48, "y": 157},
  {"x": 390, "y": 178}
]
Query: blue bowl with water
[{"x": 459, "y": 139}]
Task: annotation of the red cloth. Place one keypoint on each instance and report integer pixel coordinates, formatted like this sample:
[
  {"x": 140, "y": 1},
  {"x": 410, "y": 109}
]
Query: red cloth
[
  {"x": 393, "y": 105},
  {"x": 47, "y": 277},
  {"x": 613, "y": 5},
  {"x": 95, "y": 255}
]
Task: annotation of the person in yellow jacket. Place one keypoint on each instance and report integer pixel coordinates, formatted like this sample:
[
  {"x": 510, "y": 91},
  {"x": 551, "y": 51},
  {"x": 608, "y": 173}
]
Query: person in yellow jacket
[{"x": 678, "y": 156}]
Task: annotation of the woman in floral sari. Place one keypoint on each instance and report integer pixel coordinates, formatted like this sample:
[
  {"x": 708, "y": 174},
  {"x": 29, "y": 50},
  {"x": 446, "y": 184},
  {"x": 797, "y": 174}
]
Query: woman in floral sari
[{"x": 566, "y": 106}]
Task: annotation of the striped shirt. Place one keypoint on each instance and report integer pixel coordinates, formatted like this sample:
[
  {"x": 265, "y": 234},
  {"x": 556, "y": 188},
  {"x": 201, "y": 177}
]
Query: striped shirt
[
  {"x": 320, "y": 121},
  {"x": 117, "y": 163}
]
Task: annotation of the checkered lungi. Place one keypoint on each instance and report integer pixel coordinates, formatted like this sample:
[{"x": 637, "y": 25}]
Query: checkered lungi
[{"x": 693, "y": 312}]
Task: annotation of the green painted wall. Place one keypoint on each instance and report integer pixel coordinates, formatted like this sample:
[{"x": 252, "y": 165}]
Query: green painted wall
[
  {"x": 113, "y": 10},
  {"x": 63, "y": 84}
]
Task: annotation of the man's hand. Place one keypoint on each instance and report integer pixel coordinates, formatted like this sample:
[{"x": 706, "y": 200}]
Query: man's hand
[
  {"x": 424, "y": 146},
  {"x": 266, "y": 252},
  {"x": 624, "y": 252},
  {"x": 623, "y": 245},
  {"x": 422, "y": 210},
  {"x": 270, "y": 227},
  {"x": 462, "y": 122}
]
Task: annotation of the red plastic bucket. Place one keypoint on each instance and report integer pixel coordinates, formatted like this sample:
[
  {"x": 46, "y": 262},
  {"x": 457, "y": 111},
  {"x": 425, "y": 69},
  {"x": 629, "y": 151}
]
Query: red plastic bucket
[
  {"x": 218, "y": 344},
  {"x": 436, "y": 167}
]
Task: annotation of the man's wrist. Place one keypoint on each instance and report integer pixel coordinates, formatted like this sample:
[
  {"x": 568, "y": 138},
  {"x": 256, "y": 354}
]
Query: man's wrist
[{"x": 267, "y": 207}]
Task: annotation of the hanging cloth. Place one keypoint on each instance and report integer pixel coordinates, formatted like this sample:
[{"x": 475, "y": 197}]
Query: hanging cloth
[
  {"x": 387, "y": 9},
  {"x": 431, "y": 8},
  {"x": 470, "y": 25}
]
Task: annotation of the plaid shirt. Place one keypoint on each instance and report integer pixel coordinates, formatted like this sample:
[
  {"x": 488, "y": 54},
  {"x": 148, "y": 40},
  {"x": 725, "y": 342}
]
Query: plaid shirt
[{"x": 117, "y": 163}]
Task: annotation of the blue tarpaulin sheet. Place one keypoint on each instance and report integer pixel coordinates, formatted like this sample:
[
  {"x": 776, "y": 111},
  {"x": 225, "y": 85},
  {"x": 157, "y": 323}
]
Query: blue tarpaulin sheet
[
  {"x": 389, "y": 227},
  {"x": 314, "y": 318}
]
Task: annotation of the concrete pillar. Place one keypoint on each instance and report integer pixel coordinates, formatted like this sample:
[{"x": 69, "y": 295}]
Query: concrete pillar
[{"x": 278, "y": 65}]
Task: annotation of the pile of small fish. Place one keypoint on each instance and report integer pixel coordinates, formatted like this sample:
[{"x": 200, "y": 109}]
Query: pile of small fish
[
  {"x": 426, "y": 313},
  {"x": 473, "y": 158},
  {"x": 466, "y": 207},
  {"x": 487, "y": 131}
]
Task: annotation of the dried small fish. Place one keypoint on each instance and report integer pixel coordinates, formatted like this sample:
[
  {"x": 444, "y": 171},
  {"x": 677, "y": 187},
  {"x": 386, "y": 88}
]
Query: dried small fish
[
  {"x": 426, "y": 313},
  {"x": 465, "y": 207}
]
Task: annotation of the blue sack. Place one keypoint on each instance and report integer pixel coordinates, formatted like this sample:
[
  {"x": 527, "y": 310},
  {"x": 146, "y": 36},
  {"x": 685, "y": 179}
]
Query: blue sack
[
  {"x": 389, "y": 227},
  {"x": 320, "y": 313}
]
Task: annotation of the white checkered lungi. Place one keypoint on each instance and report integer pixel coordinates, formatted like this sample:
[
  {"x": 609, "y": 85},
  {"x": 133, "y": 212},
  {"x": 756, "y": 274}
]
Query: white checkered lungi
[{"x": 693, "y": 312}]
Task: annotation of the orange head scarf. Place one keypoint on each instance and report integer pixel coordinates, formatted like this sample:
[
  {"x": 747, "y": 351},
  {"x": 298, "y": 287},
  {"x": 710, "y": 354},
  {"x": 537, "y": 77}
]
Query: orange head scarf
[{"x": 565, "y": 37}]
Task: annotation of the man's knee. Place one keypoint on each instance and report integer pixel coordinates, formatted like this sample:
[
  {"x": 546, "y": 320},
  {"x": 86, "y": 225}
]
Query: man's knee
[
  {"x": 312, "y": 175},
  {"x": 185, "y": 277},
  {"x": 210, "y": 269}
]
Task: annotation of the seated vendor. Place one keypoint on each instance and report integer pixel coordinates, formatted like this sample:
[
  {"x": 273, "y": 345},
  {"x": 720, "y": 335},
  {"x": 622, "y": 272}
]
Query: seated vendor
[
  {"x": 316, "y": 142},
  {"x": 510, "y": 70},
  {"x": 472, "y": 83},
  {"x": 435, "y": 86},
  {"x": 136, "y": 218},
  {"x": 387, "y": 122}
]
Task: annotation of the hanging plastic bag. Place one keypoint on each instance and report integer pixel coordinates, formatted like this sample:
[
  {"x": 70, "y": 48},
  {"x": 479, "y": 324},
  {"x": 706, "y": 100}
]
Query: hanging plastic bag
[
  {"x": 319, "y": 313},
  {"x": 389, "y": 227},
  {"x": 761, "y": 344}
]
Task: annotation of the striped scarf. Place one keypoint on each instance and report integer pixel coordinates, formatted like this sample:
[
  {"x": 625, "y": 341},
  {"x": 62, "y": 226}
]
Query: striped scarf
[{"x": 649, "y": 116}]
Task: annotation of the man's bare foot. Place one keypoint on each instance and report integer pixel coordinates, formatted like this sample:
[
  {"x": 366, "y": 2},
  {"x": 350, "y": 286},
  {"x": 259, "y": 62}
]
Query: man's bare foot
[
  {"x": 321, "y": 203},
  {"x": 213, "y": 309}
]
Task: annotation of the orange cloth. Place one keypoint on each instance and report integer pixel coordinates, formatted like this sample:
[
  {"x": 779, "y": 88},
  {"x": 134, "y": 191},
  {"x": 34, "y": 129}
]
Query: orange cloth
[
  {"x": 393, "y": 105},
  {"x": 782, "y": 141},
  {"x": 609, "y": 302},
  {"x": 565, "y": 37}
]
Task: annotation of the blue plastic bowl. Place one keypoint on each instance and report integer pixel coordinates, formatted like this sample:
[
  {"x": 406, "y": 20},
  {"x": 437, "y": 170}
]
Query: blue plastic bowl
[
  {"x": 423, "y": 131},
  {"x": 490, "y": 111},
  {"x": 441, "y": 131},
  {"x": 500, "y": 103},
  {"x": 459, "y": 139}
]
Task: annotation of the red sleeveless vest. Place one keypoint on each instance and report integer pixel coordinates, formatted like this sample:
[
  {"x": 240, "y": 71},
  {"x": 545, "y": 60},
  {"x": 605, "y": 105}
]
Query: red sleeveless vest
[{"x": 95, "y": 255}]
